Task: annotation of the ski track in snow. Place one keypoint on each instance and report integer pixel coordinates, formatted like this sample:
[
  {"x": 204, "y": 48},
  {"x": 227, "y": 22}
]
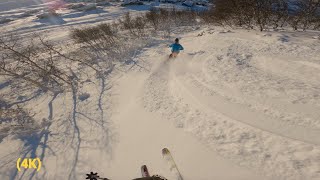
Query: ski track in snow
[{"x": 253, "y": 101}]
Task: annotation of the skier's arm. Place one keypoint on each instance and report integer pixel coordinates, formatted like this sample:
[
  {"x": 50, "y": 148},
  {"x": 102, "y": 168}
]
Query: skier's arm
[
  {"x": 181, "y": 48},
  {"x": 171, "y": 45}
]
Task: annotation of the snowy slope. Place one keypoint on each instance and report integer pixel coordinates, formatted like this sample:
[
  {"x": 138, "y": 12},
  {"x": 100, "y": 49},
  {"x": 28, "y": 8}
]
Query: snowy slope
[
  {"x": 234, "y": 105},
  {"x": 6, "y": 5},
  {"x": 249, "y": 98},
  {"x": 252, "y": 97},
  {"x": 142, "y": 134}
]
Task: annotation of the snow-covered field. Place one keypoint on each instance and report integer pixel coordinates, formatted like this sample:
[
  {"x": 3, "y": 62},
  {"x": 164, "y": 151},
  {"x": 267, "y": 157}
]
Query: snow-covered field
[
  {"x": 24, "y": 21},
  {"x": 234, "y": 105}
]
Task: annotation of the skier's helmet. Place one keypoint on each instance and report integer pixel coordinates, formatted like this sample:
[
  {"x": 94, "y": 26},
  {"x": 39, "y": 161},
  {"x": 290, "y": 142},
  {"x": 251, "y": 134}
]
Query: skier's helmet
[{"x": 176, "y": 40}]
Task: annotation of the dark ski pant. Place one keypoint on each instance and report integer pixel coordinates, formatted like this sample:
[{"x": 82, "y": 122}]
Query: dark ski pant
[{"x": 173, "y": 54}]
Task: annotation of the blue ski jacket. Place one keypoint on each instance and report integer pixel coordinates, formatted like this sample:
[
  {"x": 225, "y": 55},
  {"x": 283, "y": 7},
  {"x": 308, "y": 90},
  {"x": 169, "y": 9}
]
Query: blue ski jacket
[{"x": 176, "y": 47}]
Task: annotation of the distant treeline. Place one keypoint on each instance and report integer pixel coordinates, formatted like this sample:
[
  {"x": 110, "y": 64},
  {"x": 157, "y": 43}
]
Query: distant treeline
[{"x": 298, "y": 14}]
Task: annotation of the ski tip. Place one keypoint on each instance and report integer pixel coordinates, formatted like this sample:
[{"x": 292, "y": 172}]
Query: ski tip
[
  {"x": 144, "y": 168},
  {"x": 144, "y": 171},
  {"x": 165, "y": 151}
]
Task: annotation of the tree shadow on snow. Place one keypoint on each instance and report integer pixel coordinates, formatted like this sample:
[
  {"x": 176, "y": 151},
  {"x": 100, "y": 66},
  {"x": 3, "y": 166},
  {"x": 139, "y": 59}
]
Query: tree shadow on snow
[
  {"x": 36, "y": 144},
  {"x": 60, "y": 23},
  {"x": 77, "y": 14},
  {"x": 33, "y": 144},
  {"x": 284, "y": 38},
  {"x": 138, "y": 7},
  {"x": 51, "y": 20}
]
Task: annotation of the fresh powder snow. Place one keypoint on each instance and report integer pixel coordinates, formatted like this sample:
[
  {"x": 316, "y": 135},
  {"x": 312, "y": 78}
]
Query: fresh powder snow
[{"x": 234, "y": 105}]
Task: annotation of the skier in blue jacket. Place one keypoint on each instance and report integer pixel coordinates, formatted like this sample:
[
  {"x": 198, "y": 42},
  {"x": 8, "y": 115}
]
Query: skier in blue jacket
[{"x": 175, "y": 48}]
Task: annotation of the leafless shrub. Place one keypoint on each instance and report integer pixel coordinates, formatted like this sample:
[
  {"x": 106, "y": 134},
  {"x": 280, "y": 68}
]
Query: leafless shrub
[
  {"x": 161, "y": 20},
  {"x": 108, "y": 29},
  {"x": 135, "y": 25},
  {"x": 153, "y": 18},
  {"x": 267, "y": 13},
  {"x": 227, "y": 12},
  {"x": 140, "y": 25},
  {"x": 306, "y": 14},
  {"x": 183, "y": 18},
  {"x": 5, "y": 20},
  {"x": 280, "y": 14},
  {"x": 75, "y": 5},
  {"x": 96, "y": 34},
  {"x": 316, "y": 24},
  {"x": 34, "y": 62},
  {"x": 263, "y": 13},
  {"x": 209, "y": 17},
  {"x": 38, "y": 62},
  {"x": 132, "y": 3},
  {"x": 126, "y": 23},
  {"x": 15, "y": 116},
  {"x": 98, "y": 41},
  {"x": 17, "y": 121},
  {"x": 47, "y": 15}
]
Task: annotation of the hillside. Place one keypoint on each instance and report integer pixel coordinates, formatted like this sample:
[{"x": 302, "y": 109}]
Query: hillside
[{"x": 234, "y": 105}]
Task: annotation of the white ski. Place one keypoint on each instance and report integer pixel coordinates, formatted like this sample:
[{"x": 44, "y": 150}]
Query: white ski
[{"x": 172, "y": 165}]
